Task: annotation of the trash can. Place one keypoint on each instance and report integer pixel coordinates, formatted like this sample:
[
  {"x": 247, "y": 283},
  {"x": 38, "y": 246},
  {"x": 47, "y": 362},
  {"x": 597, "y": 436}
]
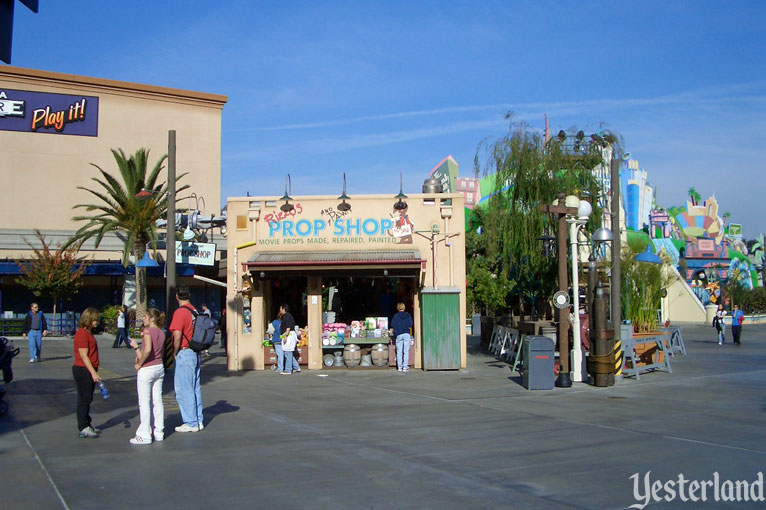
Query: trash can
[
  {"x": 476, "y": 324},
  {"x": 538, "y": 354}
]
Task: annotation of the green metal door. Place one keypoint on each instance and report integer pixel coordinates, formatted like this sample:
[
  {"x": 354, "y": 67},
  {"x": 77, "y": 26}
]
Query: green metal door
[{"x": 440, "y": 320}]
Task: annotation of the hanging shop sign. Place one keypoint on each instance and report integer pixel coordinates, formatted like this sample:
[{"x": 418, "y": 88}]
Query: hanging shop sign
[
  {"x": 336, "y": 227},
  {"x": 42, "y": 112},
  {"x": 200, "y": 254}
]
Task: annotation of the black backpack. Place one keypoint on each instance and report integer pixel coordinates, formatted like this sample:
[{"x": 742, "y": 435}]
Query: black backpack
[{"x": 203, "y": 333}]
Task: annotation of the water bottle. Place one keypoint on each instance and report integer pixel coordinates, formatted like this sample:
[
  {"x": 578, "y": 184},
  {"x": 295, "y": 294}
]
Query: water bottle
[{"x": 104, "y": 392}]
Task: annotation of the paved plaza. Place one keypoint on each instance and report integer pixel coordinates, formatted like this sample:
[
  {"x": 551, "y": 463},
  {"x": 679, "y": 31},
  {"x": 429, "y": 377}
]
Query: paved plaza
[{"x": 379, "y": 439}]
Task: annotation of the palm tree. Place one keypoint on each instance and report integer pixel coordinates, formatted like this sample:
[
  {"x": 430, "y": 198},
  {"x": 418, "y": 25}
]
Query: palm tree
[
  {"x": 695, "y": 197},
  {"x": 118, "y": 210}
]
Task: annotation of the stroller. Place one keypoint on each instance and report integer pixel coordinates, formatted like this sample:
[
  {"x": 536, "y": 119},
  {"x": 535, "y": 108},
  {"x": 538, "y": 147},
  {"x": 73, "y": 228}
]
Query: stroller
[{"x": 7, "y": 352}]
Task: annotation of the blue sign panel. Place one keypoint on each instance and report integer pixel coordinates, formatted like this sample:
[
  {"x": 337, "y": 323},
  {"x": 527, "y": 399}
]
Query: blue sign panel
[{"x": 42, "y": 112}]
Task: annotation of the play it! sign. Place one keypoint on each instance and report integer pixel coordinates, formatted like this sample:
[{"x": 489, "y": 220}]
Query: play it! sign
[{"x": 42, "y": 112}]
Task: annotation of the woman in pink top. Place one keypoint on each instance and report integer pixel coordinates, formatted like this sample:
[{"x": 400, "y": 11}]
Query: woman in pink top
[{"x": 151, "y": 373}]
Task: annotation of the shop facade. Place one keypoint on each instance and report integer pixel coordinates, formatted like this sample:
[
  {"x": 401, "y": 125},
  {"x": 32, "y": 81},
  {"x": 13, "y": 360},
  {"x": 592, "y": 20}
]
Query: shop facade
[
  {"x": 342, "y": 271},
  {"x": 54, "y": 127}
]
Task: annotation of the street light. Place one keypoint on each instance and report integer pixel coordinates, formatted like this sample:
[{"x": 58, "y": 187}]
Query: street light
[
  {"x": 170, "y": 256},
  {"x": 584, "y": 211}
]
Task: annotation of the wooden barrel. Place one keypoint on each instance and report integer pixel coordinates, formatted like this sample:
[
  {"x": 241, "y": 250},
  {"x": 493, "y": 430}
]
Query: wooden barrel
[
  {"x": 352, "y": 355},
  {"x": 380, "y": 355}
]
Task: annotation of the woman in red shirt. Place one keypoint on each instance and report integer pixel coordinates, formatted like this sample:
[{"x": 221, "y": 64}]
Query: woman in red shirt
[{"x": 85, "y": 370}]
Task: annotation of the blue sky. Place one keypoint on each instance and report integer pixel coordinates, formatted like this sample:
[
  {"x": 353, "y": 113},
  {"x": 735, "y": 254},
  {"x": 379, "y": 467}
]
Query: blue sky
[{"x": 374, "y": 88}]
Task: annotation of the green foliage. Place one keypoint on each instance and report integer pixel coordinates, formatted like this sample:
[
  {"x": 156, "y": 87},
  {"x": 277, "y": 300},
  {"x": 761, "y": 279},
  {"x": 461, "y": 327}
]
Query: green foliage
[
  {"x": 118, "y": 210},
  {"x": 512, "y": 222},
  {"x": 638, "y": 241},
  {"x": 642, "y": 288},
  {"x": 109, "y": 314},
  {"x": 754, "y": 301},
  {"x": 52, "y": 272}
]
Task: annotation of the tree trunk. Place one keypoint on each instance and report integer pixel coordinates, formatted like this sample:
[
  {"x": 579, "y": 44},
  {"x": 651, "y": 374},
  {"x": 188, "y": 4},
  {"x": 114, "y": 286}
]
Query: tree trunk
[
  {"x": 54, "y": 329},
  {"x": 139, "y": 248}
]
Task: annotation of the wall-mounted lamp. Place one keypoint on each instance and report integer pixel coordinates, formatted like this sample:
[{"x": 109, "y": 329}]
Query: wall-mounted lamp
[
  {"x": 262, "y": 274},
  {"x": 385, "y": 272},
  {"x": 400, "y": 203},
  {"x": 287, "y": 206},
  {"x": 344, "y": 206}
]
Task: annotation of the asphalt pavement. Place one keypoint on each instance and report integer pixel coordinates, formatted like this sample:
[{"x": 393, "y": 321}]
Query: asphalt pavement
[{"x": 380, "y": 439}]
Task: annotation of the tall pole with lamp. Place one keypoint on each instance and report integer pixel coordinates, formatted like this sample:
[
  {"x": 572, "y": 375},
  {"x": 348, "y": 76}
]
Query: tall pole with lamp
[{"x": 584, "y": 211}]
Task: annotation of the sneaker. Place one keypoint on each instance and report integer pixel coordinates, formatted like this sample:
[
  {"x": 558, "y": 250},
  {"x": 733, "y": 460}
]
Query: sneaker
[
  {"x": 159, "y": 438},
  {"x": 400, "y": 370},
  {"x": 284, "y": 373},
  {"x": 405, "y": 370},
  {"x": 201, "y": 426},
  {"x": 297, "y": 371},
  {"x": 31, "y": 360},
  {"x": 140, "y": 440},
  {"x": 97, "y": 431},
  {"x": 88, "y": 433},
  {"x": 186, "y": 428}
]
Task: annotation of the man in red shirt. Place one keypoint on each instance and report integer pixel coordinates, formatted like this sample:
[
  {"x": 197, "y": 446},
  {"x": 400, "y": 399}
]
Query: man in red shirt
[{"x": 187, "y": 373}]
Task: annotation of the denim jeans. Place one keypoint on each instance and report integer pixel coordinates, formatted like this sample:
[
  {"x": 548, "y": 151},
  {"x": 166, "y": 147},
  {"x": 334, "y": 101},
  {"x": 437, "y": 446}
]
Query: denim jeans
[
  {"x": 280, "y": 357},
  {"x": 403, "y": 351},
  {"x": 187, "y": 386},
  {"x": 721, "y": 334},
  {"x": 289, "y": 362},
  {"x": 149, "y": 386},
  {"x": 35, "y": 343},
  {"x": 122, "y": 336}
]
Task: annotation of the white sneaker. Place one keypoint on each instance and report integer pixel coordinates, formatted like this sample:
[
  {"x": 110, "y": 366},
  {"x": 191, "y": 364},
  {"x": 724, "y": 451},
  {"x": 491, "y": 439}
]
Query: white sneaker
[
  {"x": 186, "y": 428},
  {"x": 159, "y": 438},
  {"x": 140, "y": 440},
  {"x": 31, "y": 360},
  {"x": 200, "y": 426}
]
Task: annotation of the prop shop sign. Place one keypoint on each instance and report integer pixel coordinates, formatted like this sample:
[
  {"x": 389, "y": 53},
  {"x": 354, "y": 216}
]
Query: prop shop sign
[
  {"x": 336, "y": 227},
  {"x": 42, "y": 112},
  {"x": 200, "y": 254}
]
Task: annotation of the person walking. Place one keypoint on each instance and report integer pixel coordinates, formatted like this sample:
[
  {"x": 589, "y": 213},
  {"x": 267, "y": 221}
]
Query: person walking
[
  {"x": 286, "y": 327},
  {"x": 719, "y": 323},
  {"x": 35, "y": 328},
  {"x": 737, "y": 318},
  {"x": 85, "y": 371},
  {"x": 206, "y": 311},
  {"x": 400, "y": 329},
  {"x": 122, "y": 330},
  {"x": 187, "y": 373},
  {"x": 150, "y": 373}
]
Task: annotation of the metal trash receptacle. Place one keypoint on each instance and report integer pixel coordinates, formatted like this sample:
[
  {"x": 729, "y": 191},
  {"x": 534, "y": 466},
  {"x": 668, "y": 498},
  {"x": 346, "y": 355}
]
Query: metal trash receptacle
[{"x": 538, "y": 355}]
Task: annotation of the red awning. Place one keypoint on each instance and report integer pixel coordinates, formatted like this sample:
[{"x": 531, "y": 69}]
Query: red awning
[{"x": 335, "y": 259}]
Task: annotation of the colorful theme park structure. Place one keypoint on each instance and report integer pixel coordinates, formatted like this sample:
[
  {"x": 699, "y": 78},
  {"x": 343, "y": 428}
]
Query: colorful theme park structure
[
  {"x": 705, "y": 247},
  {"x": 707, "y": 250}
]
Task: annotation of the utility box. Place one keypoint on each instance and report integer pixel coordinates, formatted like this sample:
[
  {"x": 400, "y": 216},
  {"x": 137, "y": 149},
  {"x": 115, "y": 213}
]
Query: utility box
[
  {"x": 441, "y": 323},
  {"x": 538, "y": 355}
]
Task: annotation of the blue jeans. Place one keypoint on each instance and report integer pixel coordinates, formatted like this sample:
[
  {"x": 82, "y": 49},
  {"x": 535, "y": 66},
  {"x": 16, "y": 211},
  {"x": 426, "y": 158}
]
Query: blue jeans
[
  {"x": 721, "y": 334},
  {"x": 403, "y": 351},
  {"x": 280, "y": 357},
  {"x": 122, "y": 336},
  {"x": 289, "y": 361},
  {"x": 187, "y": 386},
  {"x": 35, "y": 343}
]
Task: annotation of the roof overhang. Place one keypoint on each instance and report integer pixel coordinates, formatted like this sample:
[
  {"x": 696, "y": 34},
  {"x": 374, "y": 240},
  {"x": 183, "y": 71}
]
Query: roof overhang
[{"x": 332, "y": 261}]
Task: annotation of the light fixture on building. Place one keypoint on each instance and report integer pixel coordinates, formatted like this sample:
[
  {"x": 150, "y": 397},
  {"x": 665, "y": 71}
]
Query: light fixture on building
[
  {"x": 147, "y": 261},
  {"x": 344, "y": 206},
  {"x": 400, "y": 203},
  {"x": 287, "y": 206}
]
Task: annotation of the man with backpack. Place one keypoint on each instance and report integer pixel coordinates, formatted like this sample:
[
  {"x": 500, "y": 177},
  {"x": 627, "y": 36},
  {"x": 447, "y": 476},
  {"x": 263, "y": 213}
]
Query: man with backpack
[{"x": 187, "y": 372}]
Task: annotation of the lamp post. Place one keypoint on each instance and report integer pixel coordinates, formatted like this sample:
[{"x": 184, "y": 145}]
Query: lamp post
[
  {"x": 170, "y": 254},
  {"x": 584, "y": 211},
  {"x": 563, "y": 210}
]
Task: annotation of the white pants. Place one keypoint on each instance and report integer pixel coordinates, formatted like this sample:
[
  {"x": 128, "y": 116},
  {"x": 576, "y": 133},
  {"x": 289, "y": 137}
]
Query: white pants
[{"x": 149, "y": 385}]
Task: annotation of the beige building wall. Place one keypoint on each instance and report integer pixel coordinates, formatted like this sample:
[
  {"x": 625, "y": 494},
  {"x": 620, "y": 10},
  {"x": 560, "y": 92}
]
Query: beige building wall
[
  {"x": 249, "y": 233},
  {"x": 40, "y": 172}
]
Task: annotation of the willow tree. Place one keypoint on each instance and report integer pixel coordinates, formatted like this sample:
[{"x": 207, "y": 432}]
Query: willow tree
[
  {"x": 119, "y": 211},
  {"x": 530, "y": 171}
]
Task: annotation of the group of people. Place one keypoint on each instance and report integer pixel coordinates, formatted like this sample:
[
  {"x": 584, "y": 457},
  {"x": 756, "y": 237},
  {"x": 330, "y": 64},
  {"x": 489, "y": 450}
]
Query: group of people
[
  {"x": 150, "y": 371},
  {"x": 719, "y": 323}
]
